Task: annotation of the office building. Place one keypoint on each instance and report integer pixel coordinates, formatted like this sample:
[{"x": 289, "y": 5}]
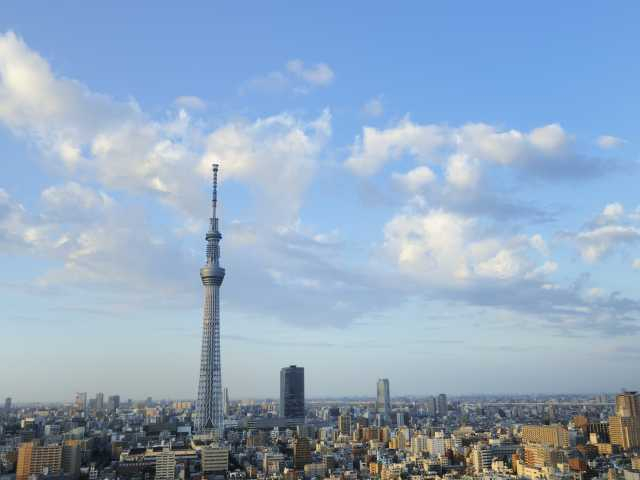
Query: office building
[
  {"x": 383, "y": 398},
  {"x": 344, "y": 424},
  {"x": 209, "y": 414},
  {"x": 99, "y": 402},
  {"x": 81, "y": 401},
  {"x": 113, "y": 403},
  {"x": 292, "y": 392},
  {"x": 166, "y": 465},
  {"x": 624, "y": 426},
  {"x": 214, "y": 459},
  {"x": 301, "y": 453},
  {"x": 71, "y": 458},
  {"x": 7, "y": 404},
  {"x": 442, "y": 405},
  {"x": 628, "y": 404},
  {"x": 624, "y": 432},
  {"x": 431, "y": 406}
]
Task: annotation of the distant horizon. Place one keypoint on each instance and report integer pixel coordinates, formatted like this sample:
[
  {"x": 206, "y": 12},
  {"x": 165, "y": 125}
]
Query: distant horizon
[{"x": 370, "y": 399}]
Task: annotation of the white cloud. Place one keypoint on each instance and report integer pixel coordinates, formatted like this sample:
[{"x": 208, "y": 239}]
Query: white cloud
[
  {"x": 190, "y": 102},
  {"x": 295, "y": 77},
  {"x": 376, "y": 147},
  {"x": 319, "y": 75},
  {"x": 462, "y": 171},
  {"x": 73, "y": 202},
  {"x": 609, "y": 142},
  {"x": 416, "y": 179},
  {"x": 610, "y": 232},
  {"x": 636, "y": 264},
  {"x": 374, "y": 107},
  {"x": 597, "y": 242},
  {"x": 443, "y": 248},
  {"x": 276, "y": 154},
  {"x": 611, "y": 213},
  {"x": 115, "y": 143},
  {"x": 537, "y": 242},
  {"x": 546, "y": 151}
]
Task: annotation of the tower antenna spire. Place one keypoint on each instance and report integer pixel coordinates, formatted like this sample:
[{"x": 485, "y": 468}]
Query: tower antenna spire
[{"x": 214, "y": 198}]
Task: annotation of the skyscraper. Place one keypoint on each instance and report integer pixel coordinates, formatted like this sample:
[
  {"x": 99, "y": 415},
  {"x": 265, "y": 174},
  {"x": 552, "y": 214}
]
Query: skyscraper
[
  {"x": 81, "y": 401},
  {"x": 624, "y": 426},
  {"x": 7, "y": 404},
  {"x": 628, "y": 404},
  {"x": 292, "y": 392},
  {"x": 383, "y": 399},
  {"x": 442, "y": 405},
  {"x": 225, "y": 404},
  {"x": 113, "y": 403},
  {"x": 209, "y": 403},
  {"x": 99, "y": 401}
]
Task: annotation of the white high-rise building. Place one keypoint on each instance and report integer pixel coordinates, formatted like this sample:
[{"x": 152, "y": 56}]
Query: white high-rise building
[{"x": 166, "y": 465}]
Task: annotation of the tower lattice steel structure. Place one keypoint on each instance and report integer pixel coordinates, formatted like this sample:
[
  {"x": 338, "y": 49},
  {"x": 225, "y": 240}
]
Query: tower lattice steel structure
[{"x": 209, "y": 415}]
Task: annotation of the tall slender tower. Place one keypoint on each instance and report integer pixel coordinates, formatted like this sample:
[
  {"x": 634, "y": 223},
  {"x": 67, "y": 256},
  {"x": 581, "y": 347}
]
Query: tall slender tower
[{"x": 209, "y": 416}]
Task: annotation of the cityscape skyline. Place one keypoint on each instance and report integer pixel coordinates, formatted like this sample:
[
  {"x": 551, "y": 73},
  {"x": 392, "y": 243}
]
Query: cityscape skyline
[{"x": 441, "y": 199}]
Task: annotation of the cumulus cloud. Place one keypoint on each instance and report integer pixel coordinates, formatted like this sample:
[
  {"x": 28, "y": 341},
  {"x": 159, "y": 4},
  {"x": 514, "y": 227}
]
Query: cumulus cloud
[
  {"x": 608, "y": 142},
  {"x": 73, "y": 202},
  {"x": 611, "y": 231},
  {"x": 118, "y": 145},
  {"x": 295, "y": 77},
  {"x": 276, "y": 154},
  {"x": 546, "y": 151},
  {"x": 441, "y": 247},
  {"x": 416, "y": 179}
]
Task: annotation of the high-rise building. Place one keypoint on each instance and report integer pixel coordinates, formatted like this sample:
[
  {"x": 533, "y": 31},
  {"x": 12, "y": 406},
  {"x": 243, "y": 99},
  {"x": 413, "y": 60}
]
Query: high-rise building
[
  {"x": 113, "y": 403},
  {"x": 292, "y": 392},
  {"x": 166, "y": 465},
  {"x": 344, "y": 424},
  {"x": 383, "y": 398},
  {"x": 226, "y": 402},
  {"x": 301, "y": 452},
  {"x": 81, "y": 401},
  {"x": 7, "y": 404},
  {"x": 431, "y": 406},
  {"x": 99, "y": 402},
  {"x": 209, "y": 414},
  {"x": 34, "y": 459},
  {"x": 624, "y": 432},
  {"x": 214, "y": 459},
  {"x": 442, "y": 405},
  {"x": 628, "y": 404},
  {"x": 624, "y": 426},
  {"x": 71, "y": 458}
]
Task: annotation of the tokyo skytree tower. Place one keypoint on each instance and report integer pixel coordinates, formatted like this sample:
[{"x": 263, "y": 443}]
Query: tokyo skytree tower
[{"x": 209, "y": 416}]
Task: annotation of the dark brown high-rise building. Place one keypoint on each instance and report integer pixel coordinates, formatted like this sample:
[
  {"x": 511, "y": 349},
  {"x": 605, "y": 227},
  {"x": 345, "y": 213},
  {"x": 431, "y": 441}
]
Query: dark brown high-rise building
[{"x": 301, "y": 453}]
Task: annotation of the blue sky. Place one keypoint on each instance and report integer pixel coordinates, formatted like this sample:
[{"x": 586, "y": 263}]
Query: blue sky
[{"x": 441, "y": 194}]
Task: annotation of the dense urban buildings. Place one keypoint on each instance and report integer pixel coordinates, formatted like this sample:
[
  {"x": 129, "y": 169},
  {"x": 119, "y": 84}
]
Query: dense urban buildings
[
  {"x": 209, "y": 408},
  {"x": 563, "y": 437},
  {"x": 292, "y": 392}
]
